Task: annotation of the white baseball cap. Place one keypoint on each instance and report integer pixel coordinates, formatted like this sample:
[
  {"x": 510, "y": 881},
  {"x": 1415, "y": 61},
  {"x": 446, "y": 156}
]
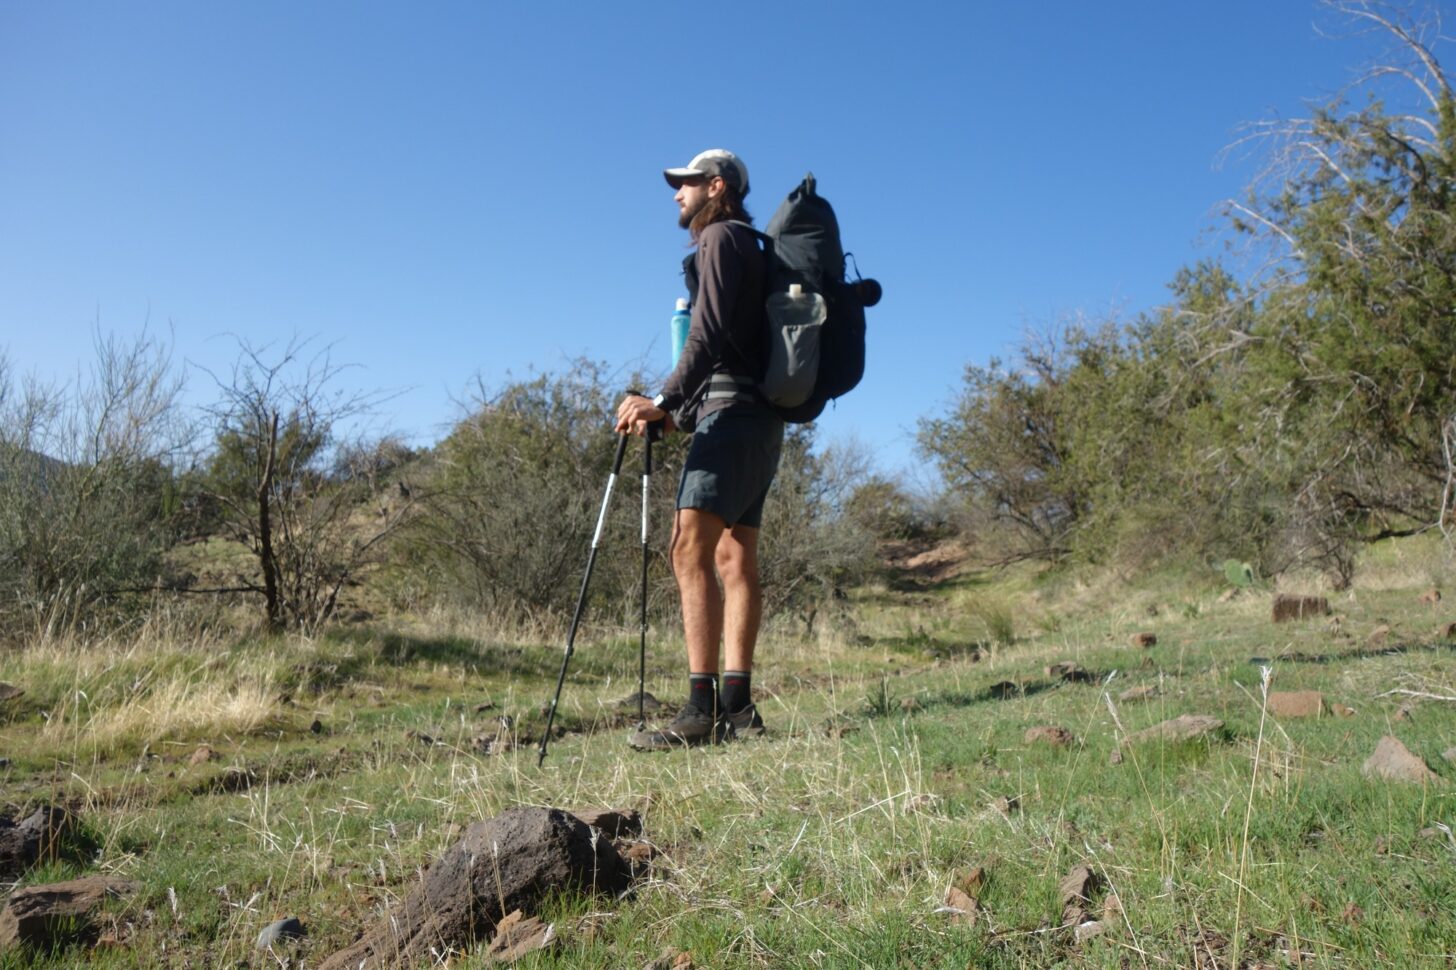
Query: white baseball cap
[{"x": 714, "y": 161}]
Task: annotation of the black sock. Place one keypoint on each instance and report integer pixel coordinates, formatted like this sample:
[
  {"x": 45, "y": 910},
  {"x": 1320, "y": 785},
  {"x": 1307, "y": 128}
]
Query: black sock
[
  {"x": 736, "y": 685},
  {"x": 703, "y": 693}
]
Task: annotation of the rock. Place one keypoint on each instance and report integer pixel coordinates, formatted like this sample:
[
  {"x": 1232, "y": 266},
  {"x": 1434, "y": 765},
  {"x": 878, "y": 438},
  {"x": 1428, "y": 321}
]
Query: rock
[
  {"x": 1141, "y": 693},
  {"x": 280, "y": 932},
  {"x": 1288, "y": 607},
  {"x": 317, "y": 727},
  {"x": 1085, "y": 931},
  {"x": 1431, "y": 596},
  {"x": 1186, "y": 727},
  {"x": 1296, "y": 703},
  {"x": 8, "y": 692},
  {"x": 51, "y": 915},
  {"x": 1446, "y": 631},
  {"x": 1077, "y": 888},
  {"x": 615, "y": 823},
  {"x": 518, "y": 934},
  {"x": 1340, "y": 710},
  {"x": 1144, "y": 640},
  {"x": 1378, "y": 636},
  {"x": 502, "y": 864},
  {"x": 1069, "y": 671},
  {"x": 33, "y": 840},
  {"x": 962, "y": 907},
  {"x": 494, "y": 743},
  {"x": 1057, "y": 737},
  {"x": 1004, "y": 690},
  {"x": 640, "y": 853},
  {"x": 971, "y": 882},
  {"x": 202, "y": 755},
  {"x": 1393, "y": 761},
  {"x": 629, "y": 704}
]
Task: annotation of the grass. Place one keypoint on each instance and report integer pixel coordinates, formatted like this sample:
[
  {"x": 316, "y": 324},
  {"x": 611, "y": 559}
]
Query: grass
[{"x": 832, "y": 843}]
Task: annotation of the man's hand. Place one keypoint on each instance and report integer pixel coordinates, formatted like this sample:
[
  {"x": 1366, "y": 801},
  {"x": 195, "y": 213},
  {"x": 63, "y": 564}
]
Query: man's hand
[{"x": 636, "y": 412}]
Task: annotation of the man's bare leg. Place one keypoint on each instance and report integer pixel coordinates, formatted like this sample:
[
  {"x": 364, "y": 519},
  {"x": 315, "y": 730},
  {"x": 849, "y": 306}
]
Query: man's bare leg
[
  {"x": 695, "y": 537},
  {"x": 736, "y": 559}
]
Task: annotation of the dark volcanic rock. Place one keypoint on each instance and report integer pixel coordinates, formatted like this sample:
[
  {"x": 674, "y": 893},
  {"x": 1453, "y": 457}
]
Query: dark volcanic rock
[
  {"x": 502, "y": 864},
  {"x": 280, "y": 932},
  {"x": 50, "y": 915},
  {"x": 37, "y": 837}
]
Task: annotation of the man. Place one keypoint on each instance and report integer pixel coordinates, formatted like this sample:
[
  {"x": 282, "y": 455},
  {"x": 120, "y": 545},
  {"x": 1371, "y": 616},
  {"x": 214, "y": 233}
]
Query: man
[{"x": 732, "y": 459}]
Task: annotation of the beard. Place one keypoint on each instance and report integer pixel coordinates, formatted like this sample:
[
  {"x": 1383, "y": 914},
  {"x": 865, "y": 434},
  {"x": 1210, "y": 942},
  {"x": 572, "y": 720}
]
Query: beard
[{"x": 685, "y": 217}]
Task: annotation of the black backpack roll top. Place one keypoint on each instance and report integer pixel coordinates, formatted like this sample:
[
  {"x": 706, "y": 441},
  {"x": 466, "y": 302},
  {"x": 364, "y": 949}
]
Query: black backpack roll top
[{"x": 815, "y": 315}]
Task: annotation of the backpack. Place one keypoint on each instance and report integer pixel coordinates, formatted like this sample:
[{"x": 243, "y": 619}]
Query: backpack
[{"x": 816, "y": 317}]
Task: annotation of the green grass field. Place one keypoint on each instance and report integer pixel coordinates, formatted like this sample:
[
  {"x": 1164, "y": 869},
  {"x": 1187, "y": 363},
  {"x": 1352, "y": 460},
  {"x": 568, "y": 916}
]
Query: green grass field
[{"x": 895, "y": 766}]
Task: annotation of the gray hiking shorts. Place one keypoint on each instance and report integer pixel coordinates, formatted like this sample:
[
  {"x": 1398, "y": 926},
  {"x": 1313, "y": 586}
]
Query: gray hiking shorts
[{"x": 731, "y": 463}]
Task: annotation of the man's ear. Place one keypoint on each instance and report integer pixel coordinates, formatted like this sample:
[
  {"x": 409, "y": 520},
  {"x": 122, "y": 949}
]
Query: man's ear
[{"x": 716, "y": 185}]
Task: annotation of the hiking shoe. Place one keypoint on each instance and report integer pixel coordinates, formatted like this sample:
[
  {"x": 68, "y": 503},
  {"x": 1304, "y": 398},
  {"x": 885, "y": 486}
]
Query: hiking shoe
[
  {"x": 691, "y": 726},
  {"x": 745, "y": 724}
]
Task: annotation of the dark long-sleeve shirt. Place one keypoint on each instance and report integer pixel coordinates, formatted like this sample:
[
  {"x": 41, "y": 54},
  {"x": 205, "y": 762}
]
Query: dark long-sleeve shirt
[{"x": 727, "y": 334}]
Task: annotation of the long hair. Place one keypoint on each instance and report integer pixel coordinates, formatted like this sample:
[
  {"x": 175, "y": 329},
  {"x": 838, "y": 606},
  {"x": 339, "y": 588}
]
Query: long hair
[{"x": 728, "y": 205}]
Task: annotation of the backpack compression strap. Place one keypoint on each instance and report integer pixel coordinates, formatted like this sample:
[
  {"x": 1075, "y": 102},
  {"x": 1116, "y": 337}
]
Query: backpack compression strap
[{"x": 728, "y": 387}]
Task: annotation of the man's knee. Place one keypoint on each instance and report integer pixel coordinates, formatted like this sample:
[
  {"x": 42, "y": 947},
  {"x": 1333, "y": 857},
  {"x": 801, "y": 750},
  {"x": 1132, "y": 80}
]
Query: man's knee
[
  {"x": 693, "y": 543},
  {"x": 736, "y": 561}
]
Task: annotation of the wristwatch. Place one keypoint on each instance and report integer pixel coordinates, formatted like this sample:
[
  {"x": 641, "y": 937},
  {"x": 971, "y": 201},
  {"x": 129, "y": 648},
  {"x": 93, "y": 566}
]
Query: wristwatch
[{"x": 657, "y": 401}]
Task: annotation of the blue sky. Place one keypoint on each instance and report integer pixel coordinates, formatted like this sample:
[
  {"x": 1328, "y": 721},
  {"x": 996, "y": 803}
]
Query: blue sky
[{"x": 443, "y": 190}]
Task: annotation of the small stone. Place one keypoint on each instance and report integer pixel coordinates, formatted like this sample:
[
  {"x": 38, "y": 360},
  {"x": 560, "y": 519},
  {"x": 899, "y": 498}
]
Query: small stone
[
  {"x": 1431, "y": 596},
  {"x": 317, "y": 727},
  {"x": 1184, "y": 728},
  {"x": 648, "y": 703},
  {"x": 1077, "y": 888},
  {"x": 8, "y": 692},
  {"x": 1005, "y": 690},
  {"x": 1296, "y": 703},
  {"x": 1140, "y": 693},
  {"x": 517, "y": 935},
  {"x": 1069, "y": 671},
  {"x": 202, "y": 756},
  {"x": 1087, "y": 931},
  {"x": 1057, "y": 737},
  {"x": 1289, "y": 607},
  {"x": 971, "y": 882},
  {"x": 283, "y": 931},
  {"x": 1144, "y": 640},
  {"x": 1393, "y": 761},
  {"x": 640, "y": 852},
  {"x": 1378, "y": 636},
  {"x": 962, "y": 907}
]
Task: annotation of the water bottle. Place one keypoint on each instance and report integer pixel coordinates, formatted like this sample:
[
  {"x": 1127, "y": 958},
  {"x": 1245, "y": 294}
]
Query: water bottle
[{"x": 681, "y": 320}]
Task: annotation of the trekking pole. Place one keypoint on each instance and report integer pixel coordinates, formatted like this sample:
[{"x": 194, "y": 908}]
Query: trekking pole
[
  {"x": 654, "y": 433},
  {"x": 591, "y": 560}
]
